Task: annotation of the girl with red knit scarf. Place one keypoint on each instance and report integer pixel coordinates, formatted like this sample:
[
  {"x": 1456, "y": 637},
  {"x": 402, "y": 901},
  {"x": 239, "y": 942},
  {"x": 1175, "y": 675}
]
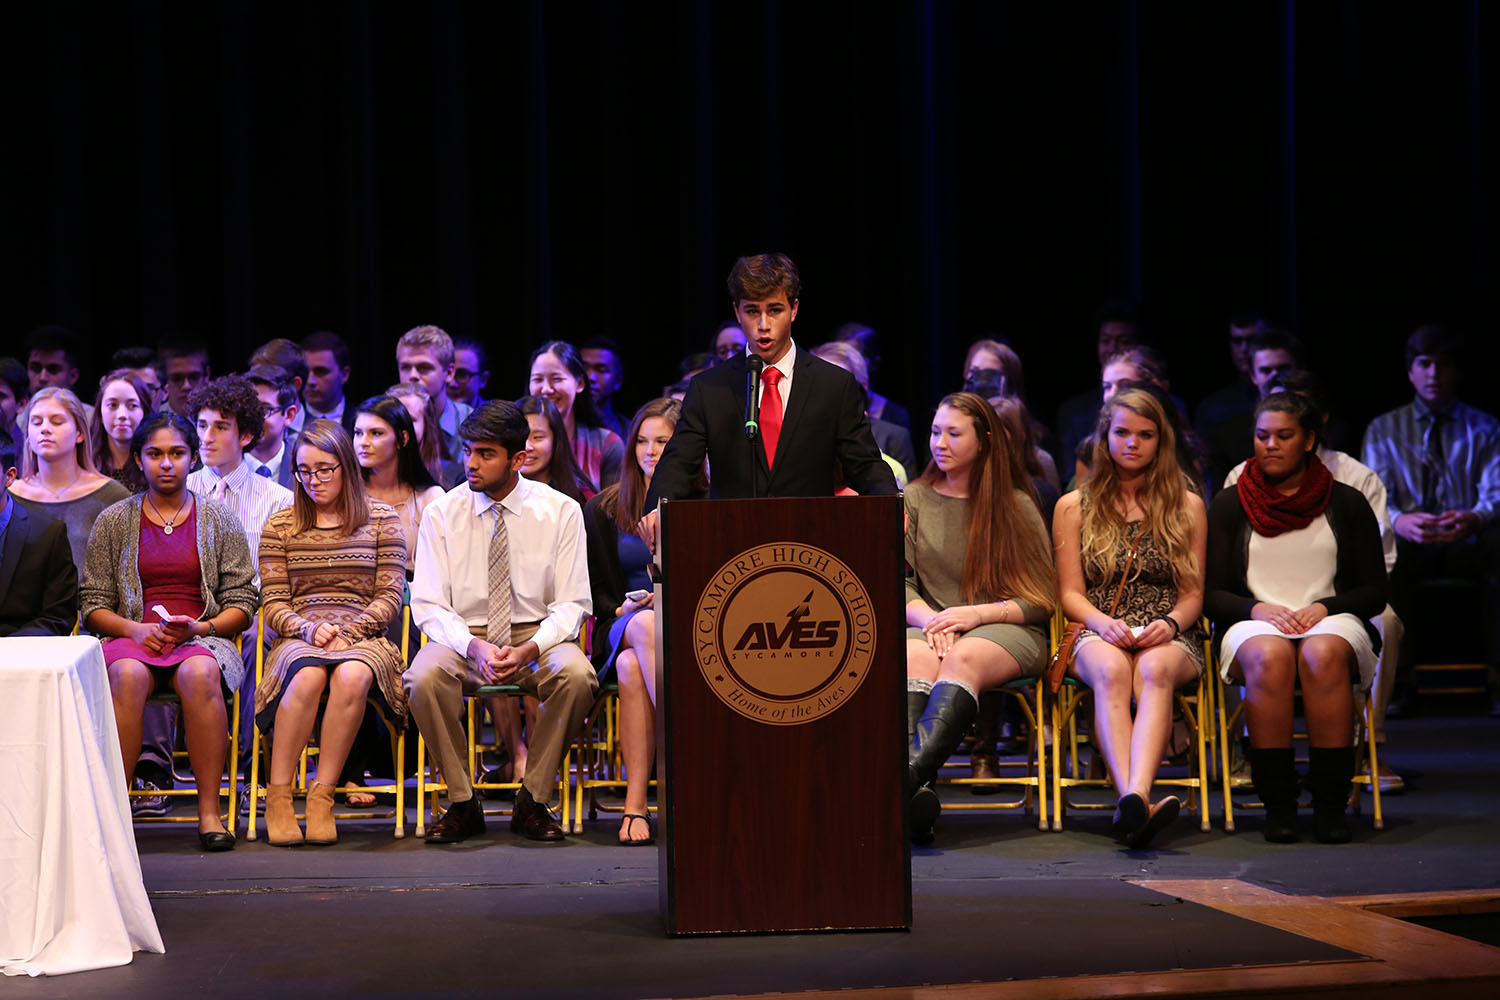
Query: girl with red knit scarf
[{"x": 1295, "y": 572}]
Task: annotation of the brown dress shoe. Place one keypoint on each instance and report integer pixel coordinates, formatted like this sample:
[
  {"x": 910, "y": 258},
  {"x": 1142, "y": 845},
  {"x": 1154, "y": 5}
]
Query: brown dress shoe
[
  {"x": 984, "y": 765},
  {"x": 461, "y": 821},
  {"x": 531, "y": 819}
]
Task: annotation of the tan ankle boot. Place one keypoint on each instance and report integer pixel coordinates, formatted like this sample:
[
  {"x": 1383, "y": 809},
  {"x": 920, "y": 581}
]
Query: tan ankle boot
[
  {"x": 281, "y": 819},
  {"x": 320, "y": 826}
]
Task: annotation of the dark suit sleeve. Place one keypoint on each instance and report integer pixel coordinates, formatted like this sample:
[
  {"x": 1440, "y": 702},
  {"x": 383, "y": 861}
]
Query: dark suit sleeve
[
  {"x": 864, "y": 470},
  {"x": 677, "y": 469},
  {"x": 58, "y": 610}
]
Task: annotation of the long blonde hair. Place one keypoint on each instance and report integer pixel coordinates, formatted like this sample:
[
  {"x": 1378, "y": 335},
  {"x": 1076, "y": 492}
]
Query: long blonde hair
[
  {"x": 1000, "y": 559},
  {"x": 1161, "y": 496},
  {"x": 354, "y": 505},
  {"x": 83, "y": 451}
]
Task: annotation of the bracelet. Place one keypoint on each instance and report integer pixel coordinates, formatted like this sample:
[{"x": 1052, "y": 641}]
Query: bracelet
[
  {"x": 1176, "y": 629},
  {"x": 1000, "y": 615},
  {"x": 212, "y": 629}
]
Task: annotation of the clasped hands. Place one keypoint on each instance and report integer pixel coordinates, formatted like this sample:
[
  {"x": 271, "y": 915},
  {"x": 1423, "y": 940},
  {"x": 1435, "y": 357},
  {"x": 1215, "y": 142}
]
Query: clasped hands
[
  {"x": 500, "y": 664},
  {"x": 1287, "y": 621},
  {"x": 943, "y": 629},
  {"x": 329, "y": 638},
  {"x": 1429, "y": 529},
  {"x": 168, "y": 633},
  {"x": 1118, "y": 633}
]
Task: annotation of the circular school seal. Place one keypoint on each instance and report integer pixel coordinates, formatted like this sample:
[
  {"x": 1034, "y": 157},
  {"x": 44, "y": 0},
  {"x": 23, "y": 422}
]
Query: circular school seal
[{"x": 784, "y": 633}]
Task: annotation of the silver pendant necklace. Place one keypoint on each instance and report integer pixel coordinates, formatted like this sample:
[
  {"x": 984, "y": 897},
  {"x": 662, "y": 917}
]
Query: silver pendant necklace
[{"x": 167, "y": 522}]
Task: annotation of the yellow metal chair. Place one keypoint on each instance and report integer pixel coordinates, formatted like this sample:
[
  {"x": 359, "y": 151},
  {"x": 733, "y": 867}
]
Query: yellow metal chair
[
  {"x": 1228, "y": 723},
  {"x": 429, "y": 787},
  {"x": 396, "y": 787},
  {"x": 231, "y": 763},
  {"x": 1194, "y": 701},
  {"x": 1028, "y": 693}
]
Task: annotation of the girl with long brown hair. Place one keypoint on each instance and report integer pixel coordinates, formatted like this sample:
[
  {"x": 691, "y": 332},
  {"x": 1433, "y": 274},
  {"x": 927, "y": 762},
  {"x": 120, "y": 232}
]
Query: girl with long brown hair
[
  {"x": 333, "y": 568},
  {"x": 979, "y": 588},
  {"x": 625, "y": 629},
  {"x": 1137, "y": 507}
]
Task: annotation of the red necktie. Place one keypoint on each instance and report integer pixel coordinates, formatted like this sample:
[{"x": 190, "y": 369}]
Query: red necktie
[{"x": 770, "y": 413}]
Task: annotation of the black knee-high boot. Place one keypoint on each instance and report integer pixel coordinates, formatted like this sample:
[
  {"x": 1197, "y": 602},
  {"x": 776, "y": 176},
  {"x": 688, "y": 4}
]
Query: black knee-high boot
[
  {"x": 1275, "y": 779},
  {"x": 1330, "y": 776},
  {"x": 945, "y": 722},
  {"x": 916, "y": 704}
]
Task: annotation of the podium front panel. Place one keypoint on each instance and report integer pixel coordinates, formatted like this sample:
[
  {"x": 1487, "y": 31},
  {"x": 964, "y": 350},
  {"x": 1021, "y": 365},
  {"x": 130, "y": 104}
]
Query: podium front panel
[{"x": 781, "y": 716}]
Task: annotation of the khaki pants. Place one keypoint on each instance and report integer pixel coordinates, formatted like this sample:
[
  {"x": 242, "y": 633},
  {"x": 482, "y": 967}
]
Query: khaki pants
[{"x": 561, "y": 679}]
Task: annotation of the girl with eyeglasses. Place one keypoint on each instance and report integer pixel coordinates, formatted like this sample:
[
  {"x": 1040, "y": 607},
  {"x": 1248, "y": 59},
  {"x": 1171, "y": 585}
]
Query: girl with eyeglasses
[{"x": 333, "y": 567}]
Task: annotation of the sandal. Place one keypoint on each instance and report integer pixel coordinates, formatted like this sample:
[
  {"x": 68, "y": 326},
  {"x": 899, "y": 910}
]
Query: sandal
[
  {"x": 630, "y": 820},
  {"x": 360, "y": 800}
]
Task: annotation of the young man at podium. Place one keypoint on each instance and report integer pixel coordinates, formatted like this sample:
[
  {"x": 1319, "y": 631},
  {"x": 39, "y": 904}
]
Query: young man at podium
[
  {"x": 501, "y": 590},
  {"x": 806, "y": 418}
]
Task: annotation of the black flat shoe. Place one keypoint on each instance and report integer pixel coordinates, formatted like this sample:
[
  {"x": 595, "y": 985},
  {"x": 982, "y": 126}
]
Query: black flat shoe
[
  {"x": 1130, "y": 816},
  {"x": 219, "y": 840},
  {"x": 925, "y": 809},
  {"x": 1161, "y": 817}
]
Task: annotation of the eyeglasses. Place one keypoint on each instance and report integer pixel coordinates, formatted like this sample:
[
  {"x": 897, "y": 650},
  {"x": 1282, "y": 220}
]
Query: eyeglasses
[
  {"x": 322, "y": 473},
  {"x": 463, "y": 374},
  {"x": 185, "y": 378}
]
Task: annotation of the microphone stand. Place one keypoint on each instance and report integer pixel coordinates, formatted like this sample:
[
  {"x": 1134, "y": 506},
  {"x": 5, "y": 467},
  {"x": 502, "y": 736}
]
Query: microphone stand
[{"x": 753, "y": 367}]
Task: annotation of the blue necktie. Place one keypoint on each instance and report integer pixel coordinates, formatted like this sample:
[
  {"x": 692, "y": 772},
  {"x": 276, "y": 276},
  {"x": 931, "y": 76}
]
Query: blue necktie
[{"x": 264, "y": 471}]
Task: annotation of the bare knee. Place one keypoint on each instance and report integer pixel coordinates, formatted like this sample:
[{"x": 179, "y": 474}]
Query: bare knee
[
  {"x": 921, "y": 662},
  {"x": 130, "y": 681},
  {"x": 640, "y": 631},
  {"x": 1267, "y": 662},
  {"x": 1162, "y": 667},
  {"x": 1104, "y": 668},
  {"x": 352, "y": 678},
  {"x": 628, "y": 670},
  {"x": 1329, "y": 660},
  {"x": 198, "y": 678}
]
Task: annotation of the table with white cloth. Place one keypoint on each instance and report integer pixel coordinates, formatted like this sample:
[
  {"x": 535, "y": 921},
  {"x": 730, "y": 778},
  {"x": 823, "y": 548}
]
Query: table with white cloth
[{"x": 71, "y": 895}]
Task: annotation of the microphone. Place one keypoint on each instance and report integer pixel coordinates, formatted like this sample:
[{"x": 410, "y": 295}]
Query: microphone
[{"x": 753, "y": 368}]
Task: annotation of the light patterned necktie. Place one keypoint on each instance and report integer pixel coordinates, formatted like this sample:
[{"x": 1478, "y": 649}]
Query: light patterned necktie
[
  {"x": 221, "y": 492},
  {"x": 497, "y": 630}
]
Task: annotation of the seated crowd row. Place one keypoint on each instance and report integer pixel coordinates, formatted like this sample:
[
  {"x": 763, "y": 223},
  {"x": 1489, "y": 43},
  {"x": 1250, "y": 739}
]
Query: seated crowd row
[{"x": 1288, "y": 565}]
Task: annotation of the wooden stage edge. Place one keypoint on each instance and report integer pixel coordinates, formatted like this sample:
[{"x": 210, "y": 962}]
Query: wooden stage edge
[{"x": 1405, "y": 960}]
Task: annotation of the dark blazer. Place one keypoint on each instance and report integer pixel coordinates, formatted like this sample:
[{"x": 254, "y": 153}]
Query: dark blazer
[
  {"x": 38, "y": 581},
  {"x": 824, "y": 426},
  {"x": 1359, "y": 582}
]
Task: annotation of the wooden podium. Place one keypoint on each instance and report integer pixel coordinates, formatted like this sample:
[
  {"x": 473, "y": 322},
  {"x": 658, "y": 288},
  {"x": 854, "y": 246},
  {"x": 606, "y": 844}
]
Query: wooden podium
[{"x": 780, "y": 718}]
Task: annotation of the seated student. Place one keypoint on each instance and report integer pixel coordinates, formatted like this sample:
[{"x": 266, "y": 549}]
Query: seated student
[
  {"x": 58, "y": 477},
  {"x": 170, "y": 550},
  {"x": 1439, "y": 459},
  {"x": 501, "y": 590},
  {"x": 228, "y": 416},
  {"x": 1234, "y": 403},
  {"x": 288, "y": 357},
  {"x": 1349, "y": 471},
  {"x": 979, "y": 589},
  {"x": 333, "y": 568},
  {"x": 728, "y": 341},
  {"x": 1143, "y": 367},
  {"x": 1135, "y": 506},
  {"x": 866, "y": 341},
  {"x": 385, "y": 442},
  {"x": 1294, "y": 575},
  {"x": 38, "y": 581},
  {"x": 471, "y": 372},
  {"x": 143, "y": 363},
  {"x": 52, "y": 360},
  {"x": 892, "y": 440},
  {"x": 606, "y": 369},
  {"x": 424, "y": 419},
  {"x": 549, "y": 452},
  {"x": 186, "y": 365},
  {"x": 993, "y": 370},
  {"x": 1117, "y": 326},
  {"x": 270, "y": 456},
  {"x": 424, "y": 356},
  {"x": 328, "y": 365},
  {"x": 123, "y": 402},
  {"x": 15, "y": 393},
  {"x": 625, "y": 630},
  {"x": 559, "y": 375}
]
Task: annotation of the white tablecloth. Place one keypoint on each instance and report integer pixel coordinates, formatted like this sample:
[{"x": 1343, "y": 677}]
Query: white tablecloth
[{"x": 71, "y": 895}]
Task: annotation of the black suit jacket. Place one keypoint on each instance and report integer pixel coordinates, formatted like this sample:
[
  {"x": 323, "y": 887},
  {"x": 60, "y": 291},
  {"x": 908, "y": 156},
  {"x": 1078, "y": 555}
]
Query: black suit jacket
[
  {"x": 38, "y": 581},
  {"x": 824, "y": 426}
]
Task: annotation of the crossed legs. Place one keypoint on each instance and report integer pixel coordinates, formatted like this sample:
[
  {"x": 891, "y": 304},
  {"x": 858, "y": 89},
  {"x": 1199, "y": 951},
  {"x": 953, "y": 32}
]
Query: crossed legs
[{"x": 635, "y": 668}]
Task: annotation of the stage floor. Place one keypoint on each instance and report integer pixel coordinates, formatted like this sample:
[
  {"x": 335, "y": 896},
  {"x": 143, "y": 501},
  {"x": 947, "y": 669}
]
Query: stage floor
[{"x": 997, "y": 904}]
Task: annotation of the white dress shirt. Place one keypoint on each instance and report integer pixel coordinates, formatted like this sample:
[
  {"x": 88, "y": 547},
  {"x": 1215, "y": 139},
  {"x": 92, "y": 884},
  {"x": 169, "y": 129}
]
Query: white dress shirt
[
  {"x": 784, "y": 387},
  {"x": 549, "y": 572},
  {"x": 252, "y": 498},
  {"x": 272, "y": 464},
  {"x": 336, "y": 414}
]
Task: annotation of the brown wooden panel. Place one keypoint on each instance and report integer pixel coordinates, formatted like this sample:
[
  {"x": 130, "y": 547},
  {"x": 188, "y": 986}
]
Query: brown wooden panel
[{"x": 799, "y": 825}]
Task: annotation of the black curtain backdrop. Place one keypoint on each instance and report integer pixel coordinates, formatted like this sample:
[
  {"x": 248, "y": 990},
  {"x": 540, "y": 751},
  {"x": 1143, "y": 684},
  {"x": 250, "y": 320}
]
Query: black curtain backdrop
[{"x": 522, "y": 171}]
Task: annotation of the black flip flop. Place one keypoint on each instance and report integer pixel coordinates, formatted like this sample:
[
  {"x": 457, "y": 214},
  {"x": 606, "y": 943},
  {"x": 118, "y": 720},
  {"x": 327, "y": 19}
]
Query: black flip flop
[{"x": 639, "y": 843}]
